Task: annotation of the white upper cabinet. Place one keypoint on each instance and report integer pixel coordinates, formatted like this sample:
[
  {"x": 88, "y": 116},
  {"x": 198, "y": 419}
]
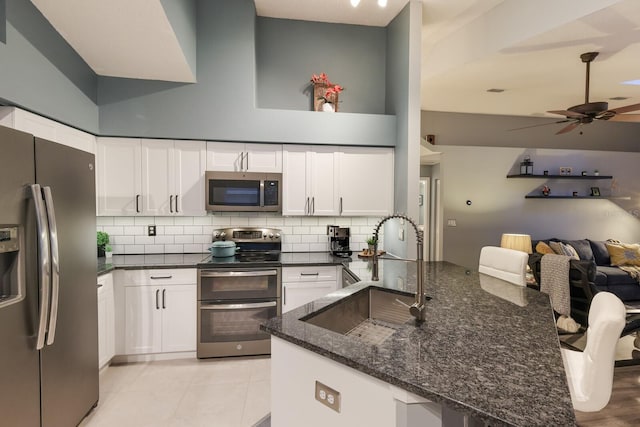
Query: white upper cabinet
[
  {"x": 241, "y": 157},
  {"x": 332, "y": 181},
  {"x": 151, "y": 177},
  {"x": 309, "y": 176},
  {"x": 157, "y": 177},
  {"x": 366, "y": 181},
  {"x": 190, "y": 163},
  {"x": 119, "y": 176},
  {"x": 46, "y": 128}
]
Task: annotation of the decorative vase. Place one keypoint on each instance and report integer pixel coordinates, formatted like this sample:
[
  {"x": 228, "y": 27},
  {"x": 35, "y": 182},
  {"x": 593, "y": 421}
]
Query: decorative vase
[
  {"x": 327, "y": 107},
  {"x": 319, "y": 93}
]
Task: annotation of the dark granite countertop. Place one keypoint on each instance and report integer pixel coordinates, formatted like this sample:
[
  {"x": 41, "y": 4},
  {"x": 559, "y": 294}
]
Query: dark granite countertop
[
  {"x": 485, "y": 356},
  {"x": 135, "y": 262},
  {"x": 288, "y": 259}
]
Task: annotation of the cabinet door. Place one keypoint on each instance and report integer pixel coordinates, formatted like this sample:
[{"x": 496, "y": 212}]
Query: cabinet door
[
  {"x": 296, "y": 294},
  {"x": 158, "y": 177},
  {"x": 225, "y": 156},
  {"x": 366, "y": 181},
  {"x": 322, "y": 178},
  {"x": 263, "y": 158},
  {"x": 179, "y": 318},
  {"x": 118, "y": 176},
  {"x": 190, "y": 166},
  {"x": 143, "y": 322},
  {"x": 294, "y": 181}
]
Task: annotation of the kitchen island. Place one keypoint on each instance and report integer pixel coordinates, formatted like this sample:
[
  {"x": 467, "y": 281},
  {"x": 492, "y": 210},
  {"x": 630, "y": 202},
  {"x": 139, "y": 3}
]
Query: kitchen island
[{"x": 476, "y": 355}]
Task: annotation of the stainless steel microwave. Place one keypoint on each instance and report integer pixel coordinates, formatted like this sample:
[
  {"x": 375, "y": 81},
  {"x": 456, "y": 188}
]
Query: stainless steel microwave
[{"x": 243, "y": 192}]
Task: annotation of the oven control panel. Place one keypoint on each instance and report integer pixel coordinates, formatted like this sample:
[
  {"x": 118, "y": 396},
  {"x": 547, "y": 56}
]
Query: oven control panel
[{"x": 250, "y": 235}]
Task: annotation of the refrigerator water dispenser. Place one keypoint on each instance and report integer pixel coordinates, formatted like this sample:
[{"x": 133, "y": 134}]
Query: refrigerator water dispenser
[{"x": 12, "y": 286}]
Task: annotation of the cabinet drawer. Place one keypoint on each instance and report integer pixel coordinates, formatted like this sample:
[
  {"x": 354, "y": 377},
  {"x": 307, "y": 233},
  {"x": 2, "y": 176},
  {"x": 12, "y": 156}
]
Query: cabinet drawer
[
  {"x": 160, "y": 276},
  {"x": 310, "y": 274}
]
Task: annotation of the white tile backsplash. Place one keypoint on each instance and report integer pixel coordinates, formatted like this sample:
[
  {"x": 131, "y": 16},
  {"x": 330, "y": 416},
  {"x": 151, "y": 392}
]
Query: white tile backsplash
[{"x": 128, "y": 235}]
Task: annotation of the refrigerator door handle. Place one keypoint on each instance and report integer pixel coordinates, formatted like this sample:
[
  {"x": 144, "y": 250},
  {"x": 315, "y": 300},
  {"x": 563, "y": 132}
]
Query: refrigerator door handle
[
  {"x": 55, "y": 265},
  {"x": 44, "y": 263}
]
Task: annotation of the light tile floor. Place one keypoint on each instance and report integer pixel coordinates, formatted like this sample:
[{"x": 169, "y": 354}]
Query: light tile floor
[{"x": 230, "y": 392}]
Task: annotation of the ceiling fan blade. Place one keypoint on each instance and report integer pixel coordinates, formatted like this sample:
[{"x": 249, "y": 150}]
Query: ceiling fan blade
[
  {"x": 568, "y": 113},
  {"x": 626, "y": 108},
  {"x": 568, "y": 128},
  {"x": 625, "y": 118},
  {"x": 542, "y": 124}
]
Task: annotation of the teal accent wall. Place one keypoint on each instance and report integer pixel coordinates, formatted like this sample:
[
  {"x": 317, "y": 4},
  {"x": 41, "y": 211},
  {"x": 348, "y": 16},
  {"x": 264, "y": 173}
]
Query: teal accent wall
[
  {"x": 42, "y": 73},
  {"x": 224, "y": 103},
  {"x": 182, "y": 17},
  {"x": 288, "y": 52}
]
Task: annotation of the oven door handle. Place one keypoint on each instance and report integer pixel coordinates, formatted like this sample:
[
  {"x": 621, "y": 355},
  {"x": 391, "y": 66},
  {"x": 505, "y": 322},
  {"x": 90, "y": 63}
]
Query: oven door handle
[
  {"x": 238, "y": 306},
  {"x": 238, "y": 273}
]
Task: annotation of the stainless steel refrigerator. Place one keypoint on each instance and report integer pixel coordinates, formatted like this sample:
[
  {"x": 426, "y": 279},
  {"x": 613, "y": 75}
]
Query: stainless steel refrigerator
[{"x": 48, "y": 297}]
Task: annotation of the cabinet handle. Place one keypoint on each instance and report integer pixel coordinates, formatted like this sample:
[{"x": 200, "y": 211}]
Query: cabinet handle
[
  {"x": 340, "y": 206},
  {"x": 284, "y": 295},
  {"x": 247, "y": 153},
  {"x": 177, "y": 211},
  {"x": 164, "y": 291},
  {"x": 171, "y": 204},
  {"x": 157, "y": 304},
  {"x": 306, "y": 207},
  {"x": 313, "y": 205},
  {"x": 162, "y": 277},
  {"x": 310, "y": 274},
  {"x": 241, "y": 161},
  {"x": 137, "y": 203}
]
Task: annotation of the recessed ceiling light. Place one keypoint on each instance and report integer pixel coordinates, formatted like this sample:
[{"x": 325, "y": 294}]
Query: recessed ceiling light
[
  {"x": 355, "y": 3},
  {"x": 632, "y": 82},
  {"x": 382, "y": 3},
  {"x": 619, "y": 98},
  {"x": 495, "y": 90}
]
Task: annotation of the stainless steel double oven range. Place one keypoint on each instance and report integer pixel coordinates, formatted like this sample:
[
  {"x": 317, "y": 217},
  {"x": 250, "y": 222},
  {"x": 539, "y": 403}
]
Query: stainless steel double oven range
[{"x": 238, "y": 293}]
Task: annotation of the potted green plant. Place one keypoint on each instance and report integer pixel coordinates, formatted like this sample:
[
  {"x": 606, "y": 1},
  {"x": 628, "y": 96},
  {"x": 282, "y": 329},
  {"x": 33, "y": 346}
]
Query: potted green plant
[
  {"x": 103, "y": 241},
  {"x": 371, "y": 241}
]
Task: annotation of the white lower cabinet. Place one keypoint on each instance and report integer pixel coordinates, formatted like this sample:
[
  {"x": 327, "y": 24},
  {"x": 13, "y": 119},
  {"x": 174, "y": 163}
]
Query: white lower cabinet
[
  {"x": 159, "y": 311},
  {"x": 301, "y": 285},
  {"x": 106, "y": 320}
]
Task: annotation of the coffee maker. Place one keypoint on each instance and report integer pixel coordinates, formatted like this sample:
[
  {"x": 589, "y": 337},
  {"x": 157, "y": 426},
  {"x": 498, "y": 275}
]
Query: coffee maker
[{"x": 339, "y": 240}]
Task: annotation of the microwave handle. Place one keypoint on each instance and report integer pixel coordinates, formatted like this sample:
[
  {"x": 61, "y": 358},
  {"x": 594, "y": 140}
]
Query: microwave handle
[{"x": 261, "y": 187}]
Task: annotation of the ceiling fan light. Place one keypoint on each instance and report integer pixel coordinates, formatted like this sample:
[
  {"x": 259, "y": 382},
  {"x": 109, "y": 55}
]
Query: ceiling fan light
[
  {"x": 382, "y": 3},
  {"x": 355, "y": 3}
]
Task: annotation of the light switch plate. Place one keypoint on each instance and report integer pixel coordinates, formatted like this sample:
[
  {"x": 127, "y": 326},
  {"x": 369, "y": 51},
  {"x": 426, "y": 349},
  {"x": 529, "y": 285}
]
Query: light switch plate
[{"x": 328, "y": 396}]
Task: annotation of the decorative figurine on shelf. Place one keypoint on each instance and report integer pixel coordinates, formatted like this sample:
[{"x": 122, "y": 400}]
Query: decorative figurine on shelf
[
  {"x": 545, "y": 190},
  {"x": 526, "y": 166}
]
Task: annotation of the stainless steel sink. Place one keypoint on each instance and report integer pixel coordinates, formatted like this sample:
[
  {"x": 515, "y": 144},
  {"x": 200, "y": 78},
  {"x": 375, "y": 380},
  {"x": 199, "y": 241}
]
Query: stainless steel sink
[{"x": 371, "y": 314}]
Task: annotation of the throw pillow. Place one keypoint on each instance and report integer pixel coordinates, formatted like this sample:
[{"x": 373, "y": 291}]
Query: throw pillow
[
  {"x": 600, "y": 252},
  {"x": 543, "y": 248},
  {"x": 624, "y": 254},
  {"x": 562, "y": 249},
  {"x": 582, "y": 247}
]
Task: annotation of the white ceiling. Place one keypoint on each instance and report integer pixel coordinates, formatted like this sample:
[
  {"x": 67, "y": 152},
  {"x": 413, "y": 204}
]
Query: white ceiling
[{"x": 529, "y": 48}]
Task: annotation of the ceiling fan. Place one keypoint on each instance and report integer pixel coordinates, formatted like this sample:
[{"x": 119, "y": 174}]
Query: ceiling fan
[{"x": 586, "y": 113}]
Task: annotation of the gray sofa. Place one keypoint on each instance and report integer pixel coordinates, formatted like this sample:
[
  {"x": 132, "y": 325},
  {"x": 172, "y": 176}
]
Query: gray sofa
[{"x": 594, "y": 267}]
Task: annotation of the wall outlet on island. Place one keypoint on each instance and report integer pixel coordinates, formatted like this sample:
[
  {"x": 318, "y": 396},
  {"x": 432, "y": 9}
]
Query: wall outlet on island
[{"x": 151, "y": 230}]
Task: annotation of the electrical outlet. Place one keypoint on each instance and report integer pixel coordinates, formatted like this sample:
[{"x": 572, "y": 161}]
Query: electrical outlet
[
  {"x": 451, "y": 223},
  {"x": 401, "y": 234},
  {"x": 151, "y": 230},
  {"x": 328, "y": 396}
]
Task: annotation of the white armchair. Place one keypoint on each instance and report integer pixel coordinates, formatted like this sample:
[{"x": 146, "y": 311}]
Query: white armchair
[{"x": 590, "y": 372}]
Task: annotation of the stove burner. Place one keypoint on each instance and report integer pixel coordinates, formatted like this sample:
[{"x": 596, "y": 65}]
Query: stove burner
[{"x": 259, "y": 246}]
